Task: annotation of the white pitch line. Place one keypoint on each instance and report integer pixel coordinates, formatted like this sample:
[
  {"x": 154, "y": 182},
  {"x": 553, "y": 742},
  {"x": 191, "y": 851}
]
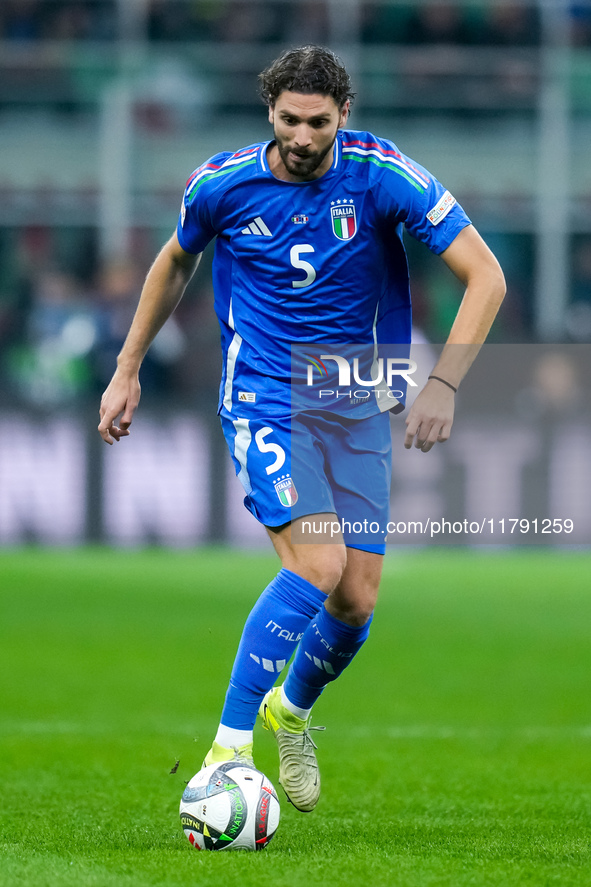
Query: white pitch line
[{"x": 432, "y": 731}]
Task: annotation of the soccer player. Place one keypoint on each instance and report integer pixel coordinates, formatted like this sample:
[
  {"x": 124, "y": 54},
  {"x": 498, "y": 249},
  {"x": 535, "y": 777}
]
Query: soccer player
[{"x": 308, "y": 230}]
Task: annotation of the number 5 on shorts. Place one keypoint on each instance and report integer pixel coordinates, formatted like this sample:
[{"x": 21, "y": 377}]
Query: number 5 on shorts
[{"x": 279, "y": 452}]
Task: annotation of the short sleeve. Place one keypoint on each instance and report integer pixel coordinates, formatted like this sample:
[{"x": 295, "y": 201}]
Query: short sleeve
[
  {"x": 195, "y": 228},
  {"x": 415, "y": 197}
]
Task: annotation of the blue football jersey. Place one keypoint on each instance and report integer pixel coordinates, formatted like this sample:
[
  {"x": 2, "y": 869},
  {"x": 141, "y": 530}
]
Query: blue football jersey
[{"x": 308, "y": 263}]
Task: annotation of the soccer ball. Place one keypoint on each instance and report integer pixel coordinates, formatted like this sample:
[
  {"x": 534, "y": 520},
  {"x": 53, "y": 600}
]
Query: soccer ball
[{"x": 229, "y": 806}]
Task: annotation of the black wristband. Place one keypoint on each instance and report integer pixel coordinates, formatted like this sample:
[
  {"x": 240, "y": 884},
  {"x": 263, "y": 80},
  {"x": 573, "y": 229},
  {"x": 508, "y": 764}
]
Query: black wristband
[{"x": 449, "y": 385}]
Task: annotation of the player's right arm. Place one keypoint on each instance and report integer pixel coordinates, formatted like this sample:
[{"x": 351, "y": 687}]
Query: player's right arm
[{"x": 165, "y": 284}]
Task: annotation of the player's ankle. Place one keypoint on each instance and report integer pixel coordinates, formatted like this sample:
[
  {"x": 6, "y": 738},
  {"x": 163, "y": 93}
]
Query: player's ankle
[
  {"x": 282, "y": 715},
  {"x": 218, "y": 754},
  {"x": 303, "y": 714}
]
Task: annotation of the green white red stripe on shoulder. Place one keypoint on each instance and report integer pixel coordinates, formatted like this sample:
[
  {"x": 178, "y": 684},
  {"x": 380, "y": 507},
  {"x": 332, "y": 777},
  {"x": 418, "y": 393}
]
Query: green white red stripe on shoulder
[
  {"x": 373, "y": 152},
  {"x": 213, "y": 168}
]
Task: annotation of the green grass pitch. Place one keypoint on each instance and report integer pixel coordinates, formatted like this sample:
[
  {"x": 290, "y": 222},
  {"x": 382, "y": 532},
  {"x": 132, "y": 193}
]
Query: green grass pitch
[{"x": 457, "y": 750}]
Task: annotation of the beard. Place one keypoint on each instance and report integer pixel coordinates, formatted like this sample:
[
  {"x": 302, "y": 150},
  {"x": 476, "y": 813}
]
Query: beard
[{"x": 305, "y": 163}]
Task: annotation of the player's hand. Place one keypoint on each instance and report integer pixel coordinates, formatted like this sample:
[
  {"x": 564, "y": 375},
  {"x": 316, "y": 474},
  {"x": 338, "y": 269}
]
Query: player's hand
[
  {"x": 430, "y": 418},
  {"x": 120, "y": 399}
]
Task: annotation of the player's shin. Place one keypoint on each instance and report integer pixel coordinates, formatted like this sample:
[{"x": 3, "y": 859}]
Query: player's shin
[
  {"x": 327, "y": 647},
  {"x": 272, "y": 631}
]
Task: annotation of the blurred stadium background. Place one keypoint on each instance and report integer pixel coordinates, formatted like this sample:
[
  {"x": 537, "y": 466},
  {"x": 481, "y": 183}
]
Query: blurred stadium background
[{"x": 106, "y": 106}]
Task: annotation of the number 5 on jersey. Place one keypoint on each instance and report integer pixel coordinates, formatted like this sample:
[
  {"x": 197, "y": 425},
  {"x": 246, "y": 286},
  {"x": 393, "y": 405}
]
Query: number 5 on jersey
[{"x": 295, "y": 258}]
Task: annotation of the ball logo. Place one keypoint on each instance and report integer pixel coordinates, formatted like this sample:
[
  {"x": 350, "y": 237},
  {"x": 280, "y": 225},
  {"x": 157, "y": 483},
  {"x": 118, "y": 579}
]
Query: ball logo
[{"x": 188, "y": 821}]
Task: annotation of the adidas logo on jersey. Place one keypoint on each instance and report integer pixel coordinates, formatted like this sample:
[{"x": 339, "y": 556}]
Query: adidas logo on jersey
[{"x": 257, "y": 226}]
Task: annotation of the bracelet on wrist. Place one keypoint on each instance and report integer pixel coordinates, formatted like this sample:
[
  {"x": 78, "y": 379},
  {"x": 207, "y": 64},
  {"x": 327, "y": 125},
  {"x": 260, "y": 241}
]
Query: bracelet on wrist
[{"x": 449, "y": 385}]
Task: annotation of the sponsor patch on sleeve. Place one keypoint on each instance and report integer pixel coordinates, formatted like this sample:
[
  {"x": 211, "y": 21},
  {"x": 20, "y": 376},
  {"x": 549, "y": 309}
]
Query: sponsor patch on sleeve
[
  {"x": 441, "y": 209},
  {"x": 183, "y": 213}
]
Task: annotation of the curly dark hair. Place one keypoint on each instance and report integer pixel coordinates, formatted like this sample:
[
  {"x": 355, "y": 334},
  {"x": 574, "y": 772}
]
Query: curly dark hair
[{"x": 308, "y": 69}]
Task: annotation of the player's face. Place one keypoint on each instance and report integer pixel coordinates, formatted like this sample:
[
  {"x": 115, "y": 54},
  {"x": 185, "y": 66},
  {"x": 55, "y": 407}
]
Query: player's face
[{"x": 305, "y": 129}]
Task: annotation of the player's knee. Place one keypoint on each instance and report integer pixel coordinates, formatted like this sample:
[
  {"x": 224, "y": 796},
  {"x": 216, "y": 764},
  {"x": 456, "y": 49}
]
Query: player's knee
[
  {"x": 354, "y": 613},
  {"x": 323, "y": 566},
  {"x": 353, "y": 605}
]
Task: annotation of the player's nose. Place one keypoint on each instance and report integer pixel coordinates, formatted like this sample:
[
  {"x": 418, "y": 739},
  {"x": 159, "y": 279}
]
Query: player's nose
[{"x": 303, "y": 136}]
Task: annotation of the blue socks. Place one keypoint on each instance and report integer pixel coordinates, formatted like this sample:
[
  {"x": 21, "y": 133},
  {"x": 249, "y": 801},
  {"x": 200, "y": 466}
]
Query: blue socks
[
  {"x": 289, "y": 614},
  {"x": 326, "y": 649},
  {"x": 272, "y": 631}
]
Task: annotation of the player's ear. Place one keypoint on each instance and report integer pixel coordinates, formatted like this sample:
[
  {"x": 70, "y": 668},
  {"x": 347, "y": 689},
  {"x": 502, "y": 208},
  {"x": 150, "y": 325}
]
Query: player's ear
[
  {"x": 271, "y": 114},
  {"x": 344, "y": 114}
]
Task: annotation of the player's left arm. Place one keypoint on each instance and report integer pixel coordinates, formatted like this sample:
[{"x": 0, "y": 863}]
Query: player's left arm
[{"x": 431, "y": 415}]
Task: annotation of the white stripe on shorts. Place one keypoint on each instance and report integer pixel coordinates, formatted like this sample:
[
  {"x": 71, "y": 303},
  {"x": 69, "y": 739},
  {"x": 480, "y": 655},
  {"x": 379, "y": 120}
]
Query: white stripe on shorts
[{"x": 241, "y": 445}]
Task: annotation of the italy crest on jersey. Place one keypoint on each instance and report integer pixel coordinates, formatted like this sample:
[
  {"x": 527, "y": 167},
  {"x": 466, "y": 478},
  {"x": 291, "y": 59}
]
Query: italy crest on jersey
[
  {"x": 286, "y": 492},
  {"x": 344, "y": 220}
]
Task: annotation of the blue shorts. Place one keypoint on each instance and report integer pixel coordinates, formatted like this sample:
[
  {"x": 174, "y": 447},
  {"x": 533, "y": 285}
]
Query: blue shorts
[{"x": 316, "y": 463}]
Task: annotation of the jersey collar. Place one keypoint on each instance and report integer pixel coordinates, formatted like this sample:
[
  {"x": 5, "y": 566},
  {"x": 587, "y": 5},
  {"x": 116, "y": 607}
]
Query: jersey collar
[{"x": 264, "y": 166}]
